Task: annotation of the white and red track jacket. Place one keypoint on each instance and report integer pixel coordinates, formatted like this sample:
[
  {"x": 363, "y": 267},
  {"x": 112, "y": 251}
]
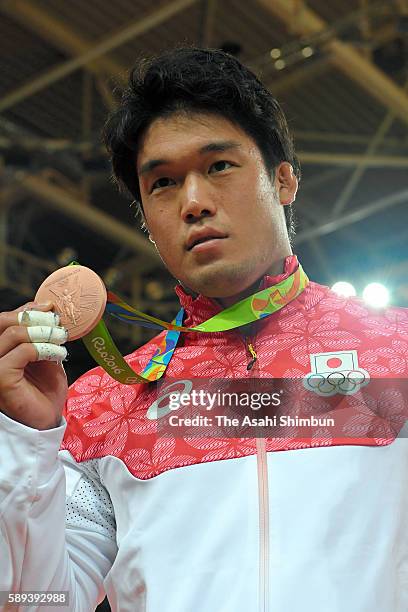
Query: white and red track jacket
[{"x": 214, "y": 525}]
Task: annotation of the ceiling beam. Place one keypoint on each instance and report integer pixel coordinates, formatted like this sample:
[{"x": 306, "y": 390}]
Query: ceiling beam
[
  {"x": 307, "y": 71},
  {"x": 97, "y": 50},
  {"x": 57, "y": 33},
  {"x": 352, "y": 217},
  {"x": 208, "y": 22},
  {"x": 96, "y": 220},
  {"x": 348, "y": 189},
  {"x": 10, "y": 195},
  {"x": 28, "y": 258},
  {"x": 358, "y": 172},
  {"x": 351, "y": 159},
  {"x": 305, "y": 22},
  {"x": 344, "y": 139},
  {"x": 403, "y": 6},
  {"x": 318, "y": 179}
]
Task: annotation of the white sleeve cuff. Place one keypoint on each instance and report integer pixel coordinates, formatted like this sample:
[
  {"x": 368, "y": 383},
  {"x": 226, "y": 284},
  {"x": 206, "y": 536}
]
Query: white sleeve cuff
[{"x": 28, "y": 452}]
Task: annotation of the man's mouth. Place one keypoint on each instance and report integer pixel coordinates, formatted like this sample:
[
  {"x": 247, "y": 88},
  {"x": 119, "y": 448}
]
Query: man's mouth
[
  {"x": 203, "y": 236},
  {"x": 201, "y": 241}
]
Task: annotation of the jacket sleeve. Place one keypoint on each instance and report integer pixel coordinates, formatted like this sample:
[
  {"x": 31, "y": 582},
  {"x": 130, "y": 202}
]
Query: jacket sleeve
[{"x": 57, "y": 527}]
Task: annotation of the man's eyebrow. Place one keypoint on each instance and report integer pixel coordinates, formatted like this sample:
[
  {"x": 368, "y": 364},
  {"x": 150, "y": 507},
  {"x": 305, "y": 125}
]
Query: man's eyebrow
[
  {"x": 151, "y": 165},
  {"x": 212, "y": 147},
  {"x": 219, "y": 146}
]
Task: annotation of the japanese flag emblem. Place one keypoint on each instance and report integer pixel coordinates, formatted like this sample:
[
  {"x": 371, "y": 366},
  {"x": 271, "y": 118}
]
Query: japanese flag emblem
[{"x": 335, "y": 373}]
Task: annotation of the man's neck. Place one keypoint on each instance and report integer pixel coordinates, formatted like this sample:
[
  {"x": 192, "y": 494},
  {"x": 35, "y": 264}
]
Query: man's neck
[
  {"x": 274, "y": 270},
  {"x": 233, "y": 299}
]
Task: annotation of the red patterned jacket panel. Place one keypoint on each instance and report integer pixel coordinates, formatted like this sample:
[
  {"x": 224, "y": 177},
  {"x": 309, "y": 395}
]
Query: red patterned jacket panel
[{"x": 107, "y": 418}]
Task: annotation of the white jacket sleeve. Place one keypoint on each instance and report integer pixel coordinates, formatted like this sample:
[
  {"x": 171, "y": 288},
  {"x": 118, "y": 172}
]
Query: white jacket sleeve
[{"x": 57, "y": 527}]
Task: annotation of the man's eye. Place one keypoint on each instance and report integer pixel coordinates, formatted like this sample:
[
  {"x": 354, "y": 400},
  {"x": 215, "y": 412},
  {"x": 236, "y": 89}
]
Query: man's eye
[
  {"x": 219, "y": 166},
  {"x": 164, "y": 181}
]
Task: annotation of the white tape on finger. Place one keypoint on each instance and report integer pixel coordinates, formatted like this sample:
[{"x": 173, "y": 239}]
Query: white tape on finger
[
  {"x": 50, "y": 352},
  {"x": 37, "y": 317},
  {"x": 42, "y": 333}
]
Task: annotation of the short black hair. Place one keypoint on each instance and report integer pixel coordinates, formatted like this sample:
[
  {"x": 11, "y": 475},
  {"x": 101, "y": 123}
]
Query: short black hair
[{"x": 196, "y": 80}]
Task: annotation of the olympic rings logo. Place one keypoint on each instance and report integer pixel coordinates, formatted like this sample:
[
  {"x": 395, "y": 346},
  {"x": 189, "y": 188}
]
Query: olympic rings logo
[{"x": 344, "y": 382}]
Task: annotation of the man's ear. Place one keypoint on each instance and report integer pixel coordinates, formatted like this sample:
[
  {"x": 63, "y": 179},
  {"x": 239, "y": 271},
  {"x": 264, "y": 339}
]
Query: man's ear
[{"x": 286, "y": 183}]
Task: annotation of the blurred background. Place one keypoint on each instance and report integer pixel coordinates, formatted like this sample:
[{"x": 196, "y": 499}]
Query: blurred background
[{"x": 338, "y": 67}]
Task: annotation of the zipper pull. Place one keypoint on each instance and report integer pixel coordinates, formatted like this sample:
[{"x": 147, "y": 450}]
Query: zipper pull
[{"x": 254, "y": 356}]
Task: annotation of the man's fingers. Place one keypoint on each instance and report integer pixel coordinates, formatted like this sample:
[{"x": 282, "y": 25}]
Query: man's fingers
[
  {"x": 36, "y": 317},
  {"x": 42, "y": 334},
  {"x": 29, "y": 393},
  {"x": 30, "y": 314},
  {"x": 23, "y": 354},
  {"x": 35, "y": 306},
  {"x": 31, "y": 333},
  {"x": 50, "y": 352}
]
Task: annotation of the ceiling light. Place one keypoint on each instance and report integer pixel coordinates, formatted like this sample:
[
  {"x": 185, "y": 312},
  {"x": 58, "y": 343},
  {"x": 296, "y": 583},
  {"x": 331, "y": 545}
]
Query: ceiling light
[
  {"x": 376, "y": 295},
  {"x": 280, "y": 64},
  {"x": 344, "y": 289}
]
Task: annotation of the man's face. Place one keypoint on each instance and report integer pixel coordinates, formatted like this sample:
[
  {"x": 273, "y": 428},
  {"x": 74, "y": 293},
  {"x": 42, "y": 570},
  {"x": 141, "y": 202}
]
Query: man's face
[{"x": 210, "y": 205}]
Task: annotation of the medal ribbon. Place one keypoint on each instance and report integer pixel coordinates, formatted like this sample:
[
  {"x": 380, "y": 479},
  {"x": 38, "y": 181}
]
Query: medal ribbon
[{"x": 257, "y": 306}]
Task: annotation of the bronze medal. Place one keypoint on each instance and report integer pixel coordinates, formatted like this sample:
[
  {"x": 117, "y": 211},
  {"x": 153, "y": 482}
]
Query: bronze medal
[{"x": 79, "y": 297}]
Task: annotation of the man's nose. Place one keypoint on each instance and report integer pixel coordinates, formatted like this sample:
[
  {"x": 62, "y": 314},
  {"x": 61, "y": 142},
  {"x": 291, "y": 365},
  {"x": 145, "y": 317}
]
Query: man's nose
[{"x": 196, "y": 200}]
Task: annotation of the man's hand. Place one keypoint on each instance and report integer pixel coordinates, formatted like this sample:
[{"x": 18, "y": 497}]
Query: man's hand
[{"x": 33, "y": 384}]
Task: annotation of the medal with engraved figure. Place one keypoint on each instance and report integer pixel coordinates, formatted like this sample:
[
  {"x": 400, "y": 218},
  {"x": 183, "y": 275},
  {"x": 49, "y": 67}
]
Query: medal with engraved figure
[{"x": 79, "y": 297}]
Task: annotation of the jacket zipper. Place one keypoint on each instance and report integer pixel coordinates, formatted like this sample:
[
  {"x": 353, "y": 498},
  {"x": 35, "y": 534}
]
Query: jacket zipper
[
  {"x": 263, "y": 503},
  {"x": 250, "y": 349},
  {"x": 263, "y": 499}
]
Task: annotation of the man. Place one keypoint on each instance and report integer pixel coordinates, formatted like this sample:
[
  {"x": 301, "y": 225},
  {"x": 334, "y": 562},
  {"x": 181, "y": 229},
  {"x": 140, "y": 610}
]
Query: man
[{"x": 206, "y": 524}]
